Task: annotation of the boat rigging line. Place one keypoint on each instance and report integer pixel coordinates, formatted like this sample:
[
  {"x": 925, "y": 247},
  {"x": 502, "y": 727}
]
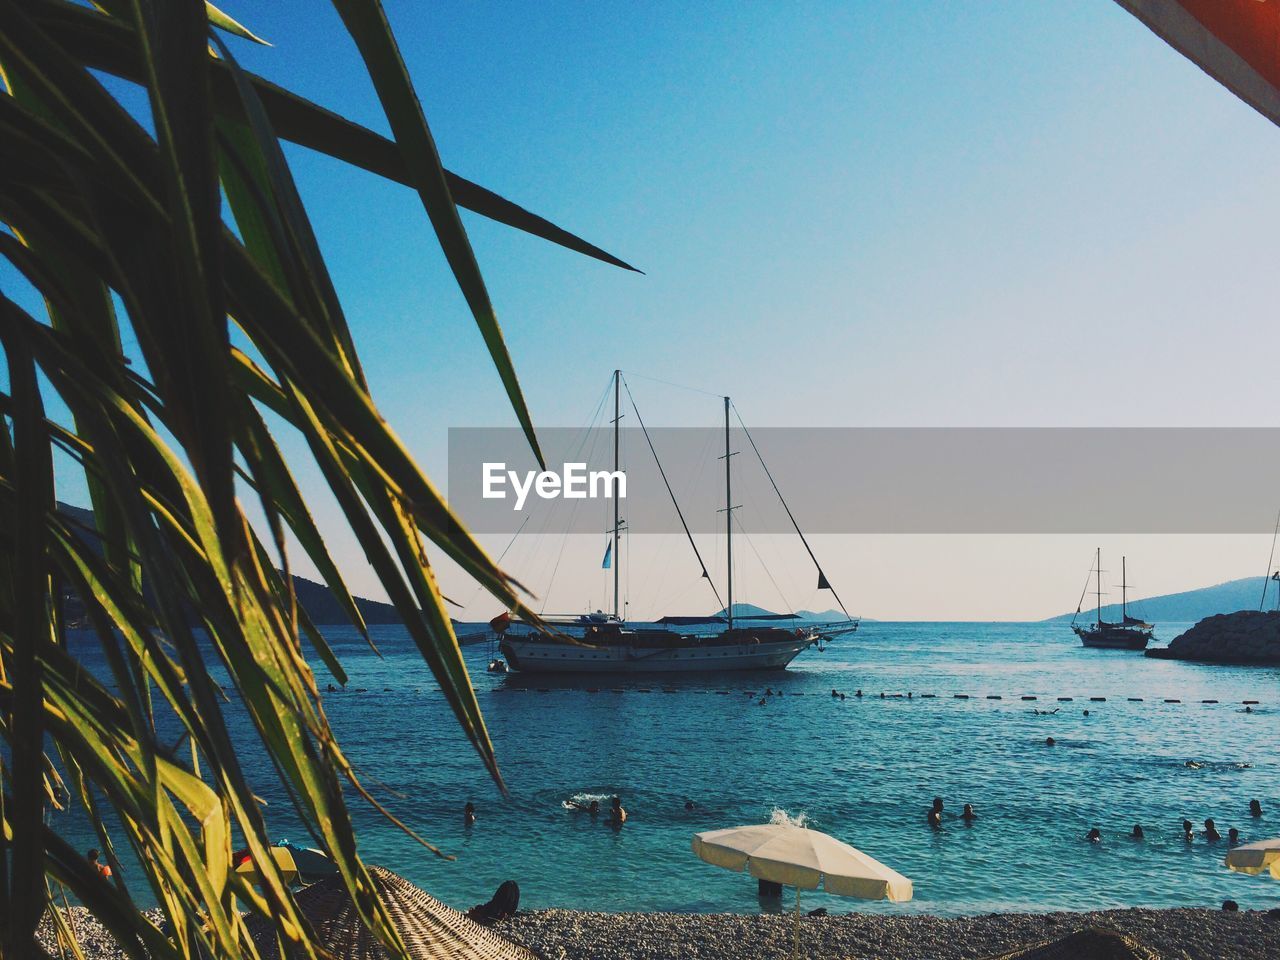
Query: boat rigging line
[
  {"x": 671, "y": 493},
  {"x": 823, "y": 582},
  {"x": 1266, "y": 577}
]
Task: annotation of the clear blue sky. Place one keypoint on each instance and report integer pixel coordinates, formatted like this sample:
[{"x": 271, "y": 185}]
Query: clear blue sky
[{"x": 970, "y": 213}]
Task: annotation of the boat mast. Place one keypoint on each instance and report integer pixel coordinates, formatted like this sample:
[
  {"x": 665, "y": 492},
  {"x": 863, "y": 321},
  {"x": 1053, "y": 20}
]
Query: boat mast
[
  {"x": 1124, "y": 609},
  {"x": 728, "y": 512},
  {"x": 617, "y": 506},
  {"x": 1098, "y": 565}
]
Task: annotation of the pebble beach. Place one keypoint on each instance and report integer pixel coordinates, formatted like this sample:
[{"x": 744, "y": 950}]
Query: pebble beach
[
  {"x": 1198, "y": 934},
  {"x": 1193, "y": 934}
]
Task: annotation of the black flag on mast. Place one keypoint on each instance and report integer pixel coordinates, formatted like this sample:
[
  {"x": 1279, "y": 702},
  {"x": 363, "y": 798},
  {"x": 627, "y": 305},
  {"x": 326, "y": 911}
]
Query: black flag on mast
[{"x": 822, "y": 580}]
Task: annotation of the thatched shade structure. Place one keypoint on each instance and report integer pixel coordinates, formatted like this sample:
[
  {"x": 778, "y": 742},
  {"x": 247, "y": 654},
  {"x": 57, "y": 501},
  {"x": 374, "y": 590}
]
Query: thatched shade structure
[
  {"x": 1094, "y": 943},
  {"x": 431, "y": 930}
]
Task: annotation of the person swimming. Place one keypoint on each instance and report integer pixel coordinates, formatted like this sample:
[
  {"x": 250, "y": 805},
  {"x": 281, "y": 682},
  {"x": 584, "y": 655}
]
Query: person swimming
[
  {"x": 967, "y": 814},
  {"x": 95, "y": 861},
  {"x": 689, "y": 804},
  {"x": 1233, "y": 836},
  {"x": 469, "y": 814},
  {"x": 1210, "y": 831},
  {"x": 617, "y": 815},
  {"x": 1049, "y": 741},
  {"x": 1187, "y": 833},
  {"x": 1193, "y": 765},
  {"x": 935, "y": 818},
  {"x": 1255, "y": 808},
  {"x": 592, "y": 808},
  {"x": 1094, "y": 835},
  {"x": 1137, "y": 833}
]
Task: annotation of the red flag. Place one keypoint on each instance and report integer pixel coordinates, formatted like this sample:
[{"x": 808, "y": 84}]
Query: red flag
[{"x": 500, "y": 622}]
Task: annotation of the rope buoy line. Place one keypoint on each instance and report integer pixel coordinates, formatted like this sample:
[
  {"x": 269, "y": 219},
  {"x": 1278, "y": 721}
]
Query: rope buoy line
[{"x": 883, "y": 695}]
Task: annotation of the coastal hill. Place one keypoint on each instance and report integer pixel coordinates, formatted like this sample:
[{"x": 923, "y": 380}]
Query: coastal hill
[
  {"x": 1189, "y": 605},
  {"x": 747, "y": 610},
  {"x": 323, "y": 607},
  {"x": 316, "y": 598}
]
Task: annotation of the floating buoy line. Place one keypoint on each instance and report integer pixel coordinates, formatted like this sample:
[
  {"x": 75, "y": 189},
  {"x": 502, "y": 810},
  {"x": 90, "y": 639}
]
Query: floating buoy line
[
  {"x": 861, "y": 695},
  {"x": 837, "y": 695}
]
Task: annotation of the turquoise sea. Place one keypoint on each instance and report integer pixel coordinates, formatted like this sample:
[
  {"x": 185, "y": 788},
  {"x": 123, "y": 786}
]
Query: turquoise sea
[{"x": 863, "y": 769}]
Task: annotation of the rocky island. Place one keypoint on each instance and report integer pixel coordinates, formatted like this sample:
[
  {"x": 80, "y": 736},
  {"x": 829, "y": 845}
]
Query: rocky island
[{"x": 1244, "y": 637}]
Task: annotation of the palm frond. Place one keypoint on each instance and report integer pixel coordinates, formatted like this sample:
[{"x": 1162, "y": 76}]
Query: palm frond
[{"x": 118, "y": 225}]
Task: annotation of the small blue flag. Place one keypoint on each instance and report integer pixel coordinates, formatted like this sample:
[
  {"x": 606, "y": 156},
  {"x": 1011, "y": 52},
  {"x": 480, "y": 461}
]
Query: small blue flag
[{"x": 608, "y": 557}]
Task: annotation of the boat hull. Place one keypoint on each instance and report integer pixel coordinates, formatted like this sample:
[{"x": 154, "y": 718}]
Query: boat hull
[
  {"x": 1113, "y": 639},
  {"x": 538, "y": 656}
]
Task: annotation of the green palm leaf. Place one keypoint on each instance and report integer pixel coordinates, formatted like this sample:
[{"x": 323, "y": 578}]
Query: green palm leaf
[{"x": 119, "y": 226}]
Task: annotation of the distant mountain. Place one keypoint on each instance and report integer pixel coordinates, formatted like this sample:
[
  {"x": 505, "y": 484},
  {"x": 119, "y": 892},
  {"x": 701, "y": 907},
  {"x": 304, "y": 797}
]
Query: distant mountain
[
  {"x": 822, "y": 617},
  {"x": 316, "y": 598},
  {"x": 1190, "y": 605},
  {"x": 323, "y": 606},
  {"x": 746, "y": 610}
]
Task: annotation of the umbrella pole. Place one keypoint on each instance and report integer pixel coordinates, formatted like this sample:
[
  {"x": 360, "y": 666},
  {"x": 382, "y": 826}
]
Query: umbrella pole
[{"x": 795, "y": 939}]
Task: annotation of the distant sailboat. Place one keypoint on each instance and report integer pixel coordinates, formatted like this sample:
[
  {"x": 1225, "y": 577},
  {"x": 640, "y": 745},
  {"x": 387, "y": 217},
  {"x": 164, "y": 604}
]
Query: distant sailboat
[
  {"x": 608, "y": 644},
  {"x": 1129, "y": 634}
]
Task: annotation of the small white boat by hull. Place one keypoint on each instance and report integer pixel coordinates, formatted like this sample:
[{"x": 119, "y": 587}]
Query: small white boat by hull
[{"x": 547, "y": 656}]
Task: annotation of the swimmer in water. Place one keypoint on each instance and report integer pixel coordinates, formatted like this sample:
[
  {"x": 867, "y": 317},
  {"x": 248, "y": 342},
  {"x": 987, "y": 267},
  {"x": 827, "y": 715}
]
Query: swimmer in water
[
  {"x": 967, "y": 814},
  {"x": 1094, "y": 835},
  {"x": 1137, "y": 833},
  {"x": 469, "y": 814},
  {"x": 689, "y": 804},
  {"x": 1193, "y": 765},
  {"x": 617, "y": 815},
  {"x": 1211, "y": 831},
  {"x": 1255, "y": 808},
  {"x": 1049, "y": 741},
  {"x": 1086, "y": 713},
  {"x": 592, "y": 808},
  {"x": 1187, "y": 834},
  {"x": 935, "y": 819},
  {"x": 1233, "y": 837}
]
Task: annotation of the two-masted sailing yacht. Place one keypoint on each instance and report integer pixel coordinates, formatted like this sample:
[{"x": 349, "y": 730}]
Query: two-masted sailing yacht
[
  {"x": 1129, "y": 634},
  {"x": 607, "y": 643}
]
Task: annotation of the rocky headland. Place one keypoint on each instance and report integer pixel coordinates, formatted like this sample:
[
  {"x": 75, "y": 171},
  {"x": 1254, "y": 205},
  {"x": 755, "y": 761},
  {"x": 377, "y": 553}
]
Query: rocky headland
[{"x": 1245, "y": 637}]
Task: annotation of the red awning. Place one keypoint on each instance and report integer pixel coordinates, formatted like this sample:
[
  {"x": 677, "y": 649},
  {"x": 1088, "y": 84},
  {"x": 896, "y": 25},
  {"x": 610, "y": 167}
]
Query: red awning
[{"x": 1237, "y": 42}]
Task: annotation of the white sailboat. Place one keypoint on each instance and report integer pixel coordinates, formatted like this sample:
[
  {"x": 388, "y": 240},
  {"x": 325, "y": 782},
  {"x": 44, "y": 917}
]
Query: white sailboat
[{"x": 606, "y": 643}]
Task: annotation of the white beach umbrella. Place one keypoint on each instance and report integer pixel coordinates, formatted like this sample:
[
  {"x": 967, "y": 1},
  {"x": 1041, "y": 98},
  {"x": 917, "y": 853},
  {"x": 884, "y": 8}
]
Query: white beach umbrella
[
  {"x": 806, "y": 859},
  {"x": 1253, "y": 858}
]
